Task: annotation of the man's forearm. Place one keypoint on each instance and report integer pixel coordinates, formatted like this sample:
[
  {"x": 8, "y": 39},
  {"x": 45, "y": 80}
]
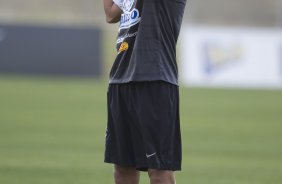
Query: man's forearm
[{"x": 112, "y": 11}]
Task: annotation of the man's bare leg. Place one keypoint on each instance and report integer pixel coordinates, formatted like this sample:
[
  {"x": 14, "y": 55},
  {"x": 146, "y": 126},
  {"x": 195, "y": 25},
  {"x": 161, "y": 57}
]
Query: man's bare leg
[
  {"x": 126, "y": 175},
  {"x": 161, "y": 177}
]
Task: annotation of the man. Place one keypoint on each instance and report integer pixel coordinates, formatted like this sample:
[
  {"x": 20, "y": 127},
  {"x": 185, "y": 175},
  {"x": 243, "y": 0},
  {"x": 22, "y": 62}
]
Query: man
[{"x": 143, "y": 132}]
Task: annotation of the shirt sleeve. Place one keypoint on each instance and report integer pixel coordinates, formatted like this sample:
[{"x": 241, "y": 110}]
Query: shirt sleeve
[{"x": 118, "y": 3}]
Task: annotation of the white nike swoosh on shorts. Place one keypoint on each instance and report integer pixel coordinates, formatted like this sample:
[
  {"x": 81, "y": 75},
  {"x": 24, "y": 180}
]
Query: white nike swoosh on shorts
[{"x": 148, "y": 156}]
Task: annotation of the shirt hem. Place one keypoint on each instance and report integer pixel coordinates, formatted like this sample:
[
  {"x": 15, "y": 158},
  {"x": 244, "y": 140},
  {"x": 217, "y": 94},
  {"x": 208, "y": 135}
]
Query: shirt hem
[{"x": 118, "y": 81}]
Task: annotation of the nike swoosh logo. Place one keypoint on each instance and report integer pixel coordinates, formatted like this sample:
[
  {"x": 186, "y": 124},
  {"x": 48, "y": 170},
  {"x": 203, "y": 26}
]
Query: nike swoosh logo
[{"x": 148, "y": 156}]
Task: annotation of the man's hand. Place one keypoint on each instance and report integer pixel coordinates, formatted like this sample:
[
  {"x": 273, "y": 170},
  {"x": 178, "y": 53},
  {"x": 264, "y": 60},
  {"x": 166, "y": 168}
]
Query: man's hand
[{"x": 112, "y": 11}]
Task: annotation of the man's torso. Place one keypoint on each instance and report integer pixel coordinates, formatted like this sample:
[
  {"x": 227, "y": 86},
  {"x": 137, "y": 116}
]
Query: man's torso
[{"x": 146, "y": 41}]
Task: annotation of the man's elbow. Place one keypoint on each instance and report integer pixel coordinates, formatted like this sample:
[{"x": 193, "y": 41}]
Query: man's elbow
[{"x": 112, "y": 20}]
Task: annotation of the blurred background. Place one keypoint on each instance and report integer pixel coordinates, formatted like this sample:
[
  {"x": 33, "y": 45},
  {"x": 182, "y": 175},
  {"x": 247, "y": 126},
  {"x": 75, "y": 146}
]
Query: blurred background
[{"x": 55, "y": 57}]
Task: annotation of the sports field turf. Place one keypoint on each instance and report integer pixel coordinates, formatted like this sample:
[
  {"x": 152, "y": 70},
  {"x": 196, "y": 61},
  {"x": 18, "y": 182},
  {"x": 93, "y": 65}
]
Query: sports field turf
[{"x": 52, "y": 132}]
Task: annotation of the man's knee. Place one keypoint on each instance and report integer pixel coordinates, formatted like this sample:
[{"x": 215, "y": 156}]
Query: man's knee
[
  {"x": 161, "y": 177},
  {"x": 124, "y": 175}
]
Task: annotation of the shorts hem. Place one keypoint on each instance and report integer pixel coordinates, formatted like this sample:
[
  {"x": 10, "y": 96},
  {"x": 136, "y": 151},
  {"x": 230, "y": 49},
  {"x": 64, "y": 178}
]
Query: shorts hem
[{"x": 145, "y": 167}]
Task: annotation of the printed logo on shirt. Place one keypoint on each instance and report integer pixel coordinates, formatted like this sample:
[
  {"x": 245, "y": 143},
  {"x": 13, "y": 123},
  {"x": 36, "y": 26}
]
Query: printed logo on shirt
[
  {"x": 128, "y": 35},
  {"x": 130, "y": 16},
  {"x": 123, "y": 47}
]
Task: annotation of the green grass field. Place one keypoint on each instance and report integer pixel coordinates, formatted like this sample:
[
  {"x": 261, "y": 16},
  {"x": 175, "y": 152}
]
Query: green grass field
[{"x": 52, "y": 132}]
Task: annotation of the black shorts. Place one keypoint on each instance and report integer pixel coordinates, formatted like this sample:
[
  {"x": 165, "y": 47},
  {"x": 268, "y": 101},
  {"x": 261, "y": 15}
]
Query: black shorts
[{"x": 143, "y": 129}]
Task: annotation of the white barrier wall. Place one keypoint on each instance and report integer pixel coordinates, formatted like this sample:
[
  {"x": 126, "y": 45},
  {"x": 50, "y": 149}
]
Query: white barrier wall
[{"x": 226, "y": 57}]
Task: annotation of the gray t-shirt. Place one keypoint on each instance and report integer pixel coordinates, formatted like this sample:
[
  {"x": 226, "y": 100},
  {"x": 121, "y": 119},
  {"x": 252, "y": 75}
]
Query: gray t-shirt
[{"x": 146, "y": 42}]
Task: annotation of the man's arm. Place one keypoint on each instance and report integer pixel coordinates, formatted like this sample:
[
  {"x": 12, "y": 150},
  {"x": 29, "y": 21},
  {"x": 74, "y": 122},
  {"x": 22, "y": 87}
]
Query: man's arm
[{"x": 112, "y": 11}]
